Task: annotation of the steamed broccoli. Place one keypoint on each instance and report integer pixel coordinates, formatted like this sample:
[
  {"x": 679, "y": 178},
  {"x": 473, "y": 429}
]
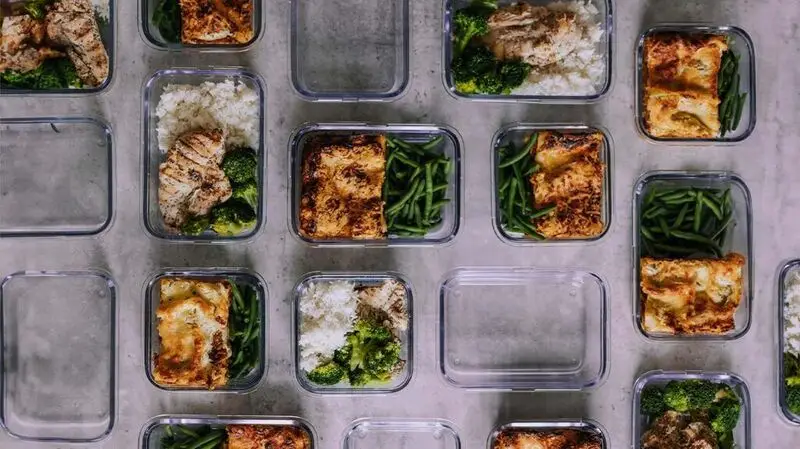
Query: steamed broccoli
[
  {"x": 67, "y": 73},
  {"x": 51, "y": 74},
  {"x": 476, "y": 70},
  {"x": 357, "y": 377},
  {"x": 240, "y": 166},
  {"x": 791, "y": 369},
  {"x": 513, "y": 74},
  {"x": 468, "y": 23},
  {"x": 195, "y": 225},
  {"x": 247, "y": 192},
  {"x": 381, "y": 362},
  {"x": 327, "y": 374},
  {"x": 725, "y": 441},
  {"x": 652, "y": 401},
  {"x": 675, "y": 397},
  {"x": 793, "y": 399},
  {"x": 690, "y": 394},
  {"x": 232, "y": 217},
  {"x": 26, "y": 80},
  {"x": 725, "y": 414},
  {"x": 372, "y": 353}
]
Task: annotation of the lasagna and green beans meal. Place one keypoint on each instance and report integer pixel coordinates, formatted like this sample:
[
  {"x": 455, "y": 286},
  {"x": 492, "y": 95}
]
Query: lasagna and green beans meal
[{"x": 235, "y": 436}]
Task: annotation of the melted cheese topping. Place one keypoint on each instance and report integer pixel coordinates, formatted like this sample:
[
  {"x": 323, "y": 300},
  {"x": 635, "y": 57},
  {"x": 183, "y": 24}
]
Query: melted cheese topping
[
  {"x": 267, "y": 437},
  {"x": 557, "y": 439},
  {"x": 193, "y": 331}
]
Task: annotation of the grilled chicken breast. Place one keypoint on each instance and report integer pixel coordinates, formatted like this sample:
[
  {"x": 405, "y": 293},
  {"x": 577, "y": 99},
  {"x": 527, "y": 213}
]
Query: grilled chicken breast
[
  {"x": 216, "y": 21},
  {"x": 267, "y": 437},
  {"x": 191, "y": 181},
  {"x": 674, "y": 430},
  {"x": 22, "y": 45},
  {"x": 72, "y": 25},
  {"x": 559, "y": 439}
]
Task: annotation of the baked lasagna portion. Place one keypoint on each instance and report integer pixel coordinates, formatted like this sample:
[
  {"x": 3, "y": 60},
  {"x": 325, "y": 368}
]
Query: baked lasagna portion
[
  {"x": 216, "y": 21},
  {"x": 193, "y": 333},
  {"x": 248, "y": 436},
  {"x": 570, "y": 176},
  {"x": 691, "y": 296},
  {"x": 681, "y": 71},
  {"x": 342, "y": 184},
  {"x": 557, "y": 439}
]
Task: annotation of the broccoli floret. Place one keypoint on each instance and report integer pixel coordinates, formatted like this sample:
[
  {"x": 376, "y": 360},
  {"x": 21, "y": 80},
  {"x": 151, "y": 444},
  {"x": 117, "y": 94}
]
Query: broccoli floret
[
  {"x": 26, "y": 80},
  {"x": 652, "y": 401},
  {"x": 490, "y": 83},
  {"x": 371, "y": 353},
  {"x": 369, "y": 330},
  {"x": 675, "y": 397},
  {"x": 68, "y": 73},
  {"x": 195, "y": 225},
  {"x": 469, "y": 23},
  {"x": 467, "y": 87},
  {"x": 690, "y": 394},
  {"x": 725, "y": 414},
  {"x": 240, "y": 166},
  {"x": 247, "y": 192},
  {"x": 725, "y": 441},
  {"x": 49, "y": 77},
  {"x": 472, "y": 63},
  {"x": 793, "y": 399},
  {"x": 380, "y": 362},
  {"x": 358, "y": 377},
  {"x": 343, "y": 355},
  {"x": 232, "y": 218},
  {"x": 791, "y": 369},
  {"x": 513, "y": 74},
  {"x": 328, "y": 374}
]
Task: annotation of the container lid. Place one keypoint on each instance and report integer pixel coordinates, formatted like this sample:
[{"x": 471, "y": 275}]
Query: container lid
[
  {"x": 347, "y": 50},
  {"x": 55, "y": 177},
  {"x": 518, "y": 328},
  {"x": 58, "y": 339},
  {"x": 370, "y": 433}
]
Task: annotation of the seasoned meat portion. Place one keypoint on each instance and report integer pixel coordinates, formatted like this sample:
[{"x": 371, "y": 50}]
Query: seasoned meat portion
[
  {"x": 557, "y": 439},
  {"x": 216, "y": 21},
  {"x": 71, "y": 24},
  {"x": 21, "y": 44},
  {"x": 674, "y": 430},
  {"x": 191, "y": 181},
  {"x": 267, "y": 437}
]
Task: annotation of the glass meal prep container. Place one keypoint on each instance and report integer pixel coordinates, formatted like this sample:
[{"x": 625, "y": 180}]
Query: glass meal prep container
[
  {"x": 391, "y": 433},
  {"x": 741, "y": 44},
  {"x": 59, "y": 334},
  {"x": 108, "y": 34},
  {"x": 516, "y": 134},
  {"x": 348, "y": 50},
  {"x": 406, "y": 337},
  {"x": 75, "y": 197},
  {"x": 585, "y": 426},
  {"x": 659, "y": 378},
  {"x": 443, "y": 233},
  {"x": 159, "y": 427},
  {"x": 739, "y": 239},
  {"x": 152, "y": 155},
  {"x": 240, "y": 277},
  {"x": 545, "y": 329},
  {"x": 148, "y": 29},
  {"x": 604, "y": 49},
  {"x": 790, "y": 269}
]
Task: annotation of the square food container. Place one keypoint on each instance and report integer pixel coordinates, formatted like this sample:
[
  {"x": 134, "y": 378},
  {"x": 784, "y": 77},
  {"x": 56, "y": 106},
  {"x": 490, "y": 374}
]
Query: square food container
[
  {"x": 156, "y": 428},
  {"x": 444, "y": 233},
  {"x": 152, "y": 156},
  {"x": 789, "y": 269},
  {"x": 370, "y": 433},
  {"x": 740, "y": 44},
  {"x": 586, "y": 426},
  {"x": 56, "y": 177},
  {"x": 152, "y": 342},
  {"x": 59, "y": 334},
  {"x": 406, "y": 339},
  {"x": 151, "y": 35},
  {"x": 108, "y": 34},
  {"x": 740, "y": 240},
  {"x": 605, "y": 49},
  {"x": 347, "y": 50},
  {"x": 521, "y": 328},
  {"x": 516, "y": 134},
  {"x": 659, "y": 378}
]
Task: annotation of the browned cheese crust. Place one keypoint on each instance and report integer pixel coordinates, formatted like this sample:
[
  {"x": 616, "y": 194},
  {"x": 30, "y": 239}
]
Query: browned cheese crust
[
  {"x": 216, "y": 21},
  {"x": 267, "y": 437},
  {"x": 557, "y": 439}
]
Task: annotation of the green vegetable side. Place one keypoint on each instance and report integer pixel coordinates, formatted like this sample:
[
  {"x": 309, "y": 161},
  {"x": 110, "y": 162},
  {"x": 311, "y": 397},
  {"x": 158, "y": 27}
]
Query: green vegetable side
[
  {"x": 791, "y": 379},
  {"x": 167, "y": 18},
  {"x": 184, "y": 437},
  {"x": 244, "y": 326},
  {"x": 731, "y": 99},
  {"x": 52, "y": 74}
]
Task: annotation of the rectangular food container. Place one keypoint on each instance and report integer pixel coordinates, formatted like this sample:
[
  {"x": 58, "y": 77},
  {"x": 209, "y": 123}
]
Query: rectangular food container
[
  {"x": 788, "y": 269},
  {"x": 152, "y": 342},
  {"x": 583, "y": 425},
  {"x": 406, "y": 339},
  {"x": 369, "y": 433},
  {"x": 740, "y": 240},
  {"x": 59, "y": 334},
  {"x": 108, "y": 34},
  {"x": 659, "y": 378},
  {"x": 347, "y": 50},
  {"x": 155, "y": 429},
  {"x": 516, "y": 133},
  {"x": 605, "y": 48},
  {"x": 740, "y": 44},
  {"x": 543, "y": 329},
  {"x": 444, "y": 233},
  {"x": 56, "y": 177},
  {"x": 152, "y": 156},
  {"x": 151, "y": 35}
]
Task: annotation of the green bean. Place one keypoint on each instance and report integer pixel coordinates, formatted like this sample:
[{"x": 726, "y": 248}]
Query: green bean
[
  {"x": 188, "y": 432},
  {"x": 647, "y": 234},
  {"x": 204, "y": 441},
  {"x": 655, "y": 212},
  {"x": 533, "y": 169},
  {"x": 404, "y": 159},
  {"x": 528, "y": 229},
  {"x": 675, "y": 196},
  {"x": 674, "y": 249},
  {"x": 542, "y": 212},
  {"x": 712, "y": 206},
  {"x": 698, "y": 211},
  {"x": 433, "y": 143},
  {"x": 412, "y": 229},
  {"x": 694, "y": 237},
  {"x": 440, "y": 187},
  {"x": 681, "y": 216},
  {"x": 516, "y": 158},
  {"x": 664, "y": 227},
  {"x": 417, "y": 171},
  {"x": 510, "y": 198},
  {"x": 402, "y": 201},
  {"x": 739, "y": 109},
  {"x": 428, "y": 191},
  {"x": 438, "y": 204},
  {"x": 237, "y": 295},
  {"x": 503, "y": 186},
  {"x": 418, "y": 218},
  {"x": 168, "y": 431}
]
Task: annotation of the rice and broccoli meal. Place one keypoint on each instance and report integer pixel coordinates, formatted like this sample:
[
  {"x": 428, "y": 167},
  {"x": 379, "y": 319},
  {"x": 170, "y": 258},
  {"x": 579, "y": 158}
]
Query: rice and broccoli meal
[{"x": 791, "y": 342}]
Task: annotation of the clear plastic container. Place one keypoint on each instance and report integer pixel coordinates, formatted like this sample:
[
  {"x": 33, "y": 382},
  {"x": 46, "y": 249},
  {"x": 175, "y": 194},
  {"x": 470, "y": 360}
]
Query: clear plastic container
[
  {"x": 659, "y": 378},
  {"x": 108, "y": 34},
  {"x": 152, "y": 36},
  {"x": 740, "y": 240},
  {"x": 347, "y": 50},
  {"x": 406, "y": 338},
  {"x": 75, "y": 197},
  {"x": 740, "y": 44},
  {"x": 789, "y": 269},
  {"x": 369, "y": 433},
  {"x": 605, "y": 17},
  {"x": 585, "y": 426},
  {"x": 442, "y": 234},
  {"x": 152, "y": 155},
  {"x": 544, "y": 329},
  {"x": 155, "y": 429},
  {"x": 517, "y": 133},
  {"x": 59, "y": 335},
  {"x": 152, "y": 298}
]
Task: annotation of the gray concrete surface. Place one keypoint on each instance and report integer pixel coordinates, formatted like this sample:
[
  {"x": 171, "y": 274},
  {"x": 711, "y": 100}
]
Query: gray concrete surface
[{"x": 766, "y": 161}]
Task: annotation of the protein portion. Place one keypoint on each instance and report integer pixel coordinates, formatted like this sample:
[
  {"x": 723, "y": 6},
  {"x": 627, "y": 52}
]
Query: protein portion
[
  {"x": 791, "y": 341},
  {"x": 236, "y": 436},
  {"x": 207, "y": 22},
  {"x": 53, "y": 44},
  {"x": 547, "y": 439},
  {"x": 522, "y": 49}
]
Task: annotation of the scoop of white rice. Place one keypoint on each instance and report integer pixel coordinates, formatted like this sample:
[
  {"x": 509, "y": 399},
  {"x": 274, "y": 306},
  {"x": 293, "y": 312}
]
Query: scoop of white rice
[
  {"x": 232, "y": 106},
  {"x": 791, "y": 314},
  {"x": 327, "y": 311}
]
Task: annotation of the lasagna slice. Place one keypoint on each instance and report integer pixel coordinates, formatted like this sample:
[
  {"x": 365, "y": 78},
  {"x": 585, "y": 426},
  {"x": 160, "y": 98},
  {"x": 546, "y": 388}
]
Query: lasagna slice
[
  {"x": 342, "y": 183},
  {"x": 691, "y": 296},
  {"x": 557, "y": 439},
  {"x": 571, "y": 178},
  {"x": 216, "y": 21},
  {"x": 193, "y": 331},
  {"x": 689, "y": 113},
  {"x": 267, "y": 437}
]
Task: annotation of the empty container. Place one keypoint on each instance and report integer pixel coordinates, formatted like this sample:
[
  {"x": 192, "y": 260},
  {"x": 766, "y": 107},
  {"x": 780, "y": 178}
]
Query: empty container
[{"x": 391, "y": 433}]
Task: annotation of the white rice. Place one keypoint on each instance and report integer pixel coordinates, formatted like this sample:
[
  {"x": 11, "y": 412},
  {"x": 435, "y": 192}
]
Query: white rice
[
  {"x": 101, "y": 8},
  {"x": 327, "y": 311},
  {"x": 583, "y": 70},
  {"x": 232, "y": 106},
  {"x": 791, "y": 313}
]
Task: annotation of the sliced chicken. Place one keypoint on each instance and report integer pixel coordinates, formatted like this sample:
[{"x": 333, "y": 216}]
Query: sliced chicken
[
  {"x": 216, "y": 21},
  {"x": 72, "y": 24},
  {"x": 21, "y": 47},
  {"x": 191, "y": 181}
]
